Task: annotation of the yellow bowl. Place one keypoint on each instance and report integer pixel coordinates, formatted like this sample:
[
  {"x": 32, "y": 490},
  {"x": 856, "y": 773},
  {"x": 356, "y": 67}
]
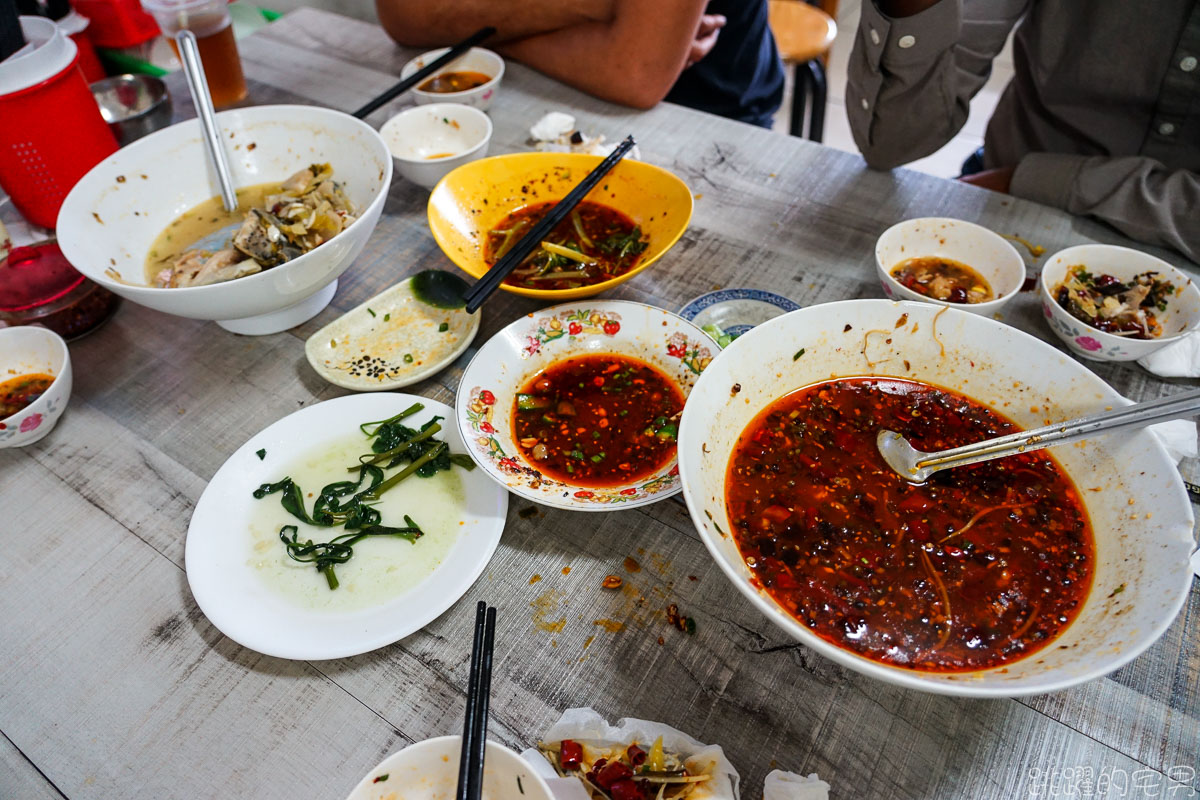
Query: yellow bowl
[{"x": 474, "y": 198}]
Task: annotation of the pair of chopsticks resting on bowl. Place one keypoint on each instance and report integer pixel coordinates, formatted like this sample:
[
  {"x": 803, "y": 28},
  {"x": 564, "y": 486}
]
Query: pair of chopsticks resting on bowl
[
  {"x": 427, "y": 70},
  {"x": 479, "y": 687},
  {"x": 491, "y": 280}
]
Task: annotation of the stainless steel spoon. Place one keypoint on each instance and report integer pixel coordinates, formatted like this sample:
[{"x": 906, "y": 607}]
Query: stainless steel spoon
[
  {"x": 916, "y": 466},
  {"x": 189, "y": 54}
]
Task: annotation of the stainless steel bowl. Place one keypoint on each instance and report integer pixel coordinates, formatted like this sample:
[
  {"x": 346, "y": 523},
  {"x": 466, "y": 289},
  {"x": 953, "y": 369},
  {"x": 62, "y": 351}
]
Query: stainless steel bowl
[{"x": 133, "y": 105}]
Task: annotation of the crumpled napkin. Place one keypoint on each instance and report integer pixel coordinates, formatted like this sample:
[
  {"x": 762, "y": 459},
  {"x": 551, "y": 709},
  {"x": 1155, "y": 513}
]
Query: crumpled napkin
[
  {"x": 1178, "y": 436},
  {"x": 1177, "y": 360},
  {"x": 555, "y": 132},
  {"x": 780, "y": 785}
]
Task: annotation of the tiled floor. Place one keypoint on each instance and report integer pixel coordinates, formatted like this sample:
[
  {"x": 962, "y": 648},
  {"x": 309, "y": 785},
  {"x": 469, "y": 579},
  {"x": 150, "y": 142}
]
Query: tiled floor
[{"x": 944, "y": 163}]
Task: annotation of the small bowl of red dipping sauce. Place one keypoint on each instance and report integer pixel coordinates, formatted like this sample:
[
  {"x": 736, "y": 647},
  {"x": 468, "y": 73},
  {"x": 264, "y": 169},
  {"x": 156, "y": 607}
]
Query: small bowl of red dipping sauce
[
  {"x": 35, "y": 383},
  {"x": 1022, "y": 575},
  {"x": 577, "y": 406},
  {"x": 948, "y": 262}
]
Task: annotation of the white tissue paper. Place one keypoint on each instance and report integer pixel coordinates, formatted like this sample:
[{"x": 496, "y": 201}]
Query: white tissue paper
[
  {"x": 780, "y": 785},
  {"x": 586, "y": 726},
  {"x": 1177, "y": 360},
  {"x": 556, "y": 133},
  {"x": 1178, "y": 436}
]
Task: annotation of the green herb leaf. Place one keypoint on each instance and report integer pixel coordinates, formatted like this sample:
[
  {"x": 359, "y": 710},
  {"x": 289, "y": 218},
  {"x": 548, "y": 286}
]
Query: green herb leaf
[
  {"x": 408, "y": 359},
  {"x": 387, "y": 317},
  {"x": 370, "y": 311},
  {"x": 799, "y": 353},
  {"x": 261, "y": 454},
  {"x": 445, "y": 326}
]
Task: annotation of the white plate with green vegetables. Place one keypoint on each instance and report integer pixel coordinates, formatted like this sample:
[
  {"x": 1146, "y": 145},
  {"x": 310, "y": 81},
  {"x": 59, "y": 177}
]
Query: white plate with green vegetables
[{"x": 342, "y": 528}]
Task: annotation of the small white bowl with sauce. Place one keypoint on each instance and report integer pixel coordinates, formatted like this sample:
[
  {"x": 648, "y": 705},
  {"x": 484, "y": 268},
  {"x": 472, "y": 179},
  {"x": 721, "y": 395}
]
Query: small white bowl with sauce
[
  {"x": 428, "y": 770},
  {"x": 477, "y": 60},
  {"x": 984, "y": 251},
  {"x": 1181, "y": 317},
  {"x": 33, "y": 350},
  {"x": 427, "y": 142}
]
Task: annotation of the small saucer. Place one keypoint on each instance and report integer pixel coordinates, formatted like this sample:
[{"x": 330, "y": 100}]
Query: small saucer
[
  {"x": 390, "y": 341},
  {"x": 732, "y": 312}
]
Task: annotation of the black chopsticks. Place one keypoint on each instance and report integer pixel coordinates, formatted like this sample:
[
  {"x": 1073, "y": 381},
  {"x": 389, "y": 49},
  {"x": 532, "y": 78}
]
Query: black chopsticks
[
  {"x": 427, "y": 70},
  {"x": 479, "y": 688},
  {"x": 485, "y": 286}
]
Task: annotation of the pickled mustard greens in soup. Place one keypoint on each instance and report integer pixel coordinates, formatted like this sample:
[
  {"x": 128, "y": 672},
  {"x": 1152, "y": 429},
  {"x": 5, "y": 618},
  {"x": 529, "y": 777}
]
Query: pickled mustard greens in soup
[
  {"x": 595, "y": 243},
  {"x": 278, "y": 222}
]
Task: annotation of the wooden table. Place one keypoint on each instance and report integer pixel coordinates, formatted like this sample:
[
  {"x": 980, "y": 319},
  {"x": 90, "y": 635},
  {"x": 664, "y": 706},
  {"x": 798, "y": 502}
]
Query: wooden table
[{"x": 113, "y": 683}]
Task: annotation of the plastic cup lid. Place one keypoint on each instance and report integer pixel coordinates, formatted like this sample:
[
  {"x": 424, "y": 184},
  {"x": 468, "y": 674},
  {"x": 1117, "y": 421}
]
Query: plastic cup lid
[
  {"x": 51, "y": 53},
  {"x": 35, "y": 275}
]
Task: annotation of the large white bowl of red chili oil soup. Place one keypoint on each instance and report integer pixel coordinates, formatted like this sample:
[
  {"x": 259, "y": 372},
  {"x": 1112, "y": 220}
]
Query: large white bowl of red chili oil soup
[{"x": 1137, "y": 574}]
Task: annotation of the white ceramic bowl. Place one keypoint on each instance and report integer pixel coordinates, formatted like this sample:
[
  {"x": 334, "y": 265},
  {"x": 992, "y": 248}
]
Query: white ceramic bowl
[
  {"x": 115, "y": 212},
  {"x": 503, "y": 365},
  {"x": 428, "y": 770},
  {"x": 475, "y": 60},
  {"x": 1182, "y": 314},
  {"x": 983, "y": 250},
  {"x": 29, "y": 349},
  {"x": 1140, "y": 514},
  {"x": 429, "y": 141}
]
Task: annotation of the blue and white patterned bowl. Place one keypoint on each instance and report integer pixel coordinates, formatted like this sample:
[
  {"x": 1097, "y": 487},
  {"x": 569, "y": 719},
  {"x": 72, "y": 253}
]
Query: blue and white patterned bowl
[
  {"x": 1181, "y": 317},
  {"x": 736, "y": 311}
]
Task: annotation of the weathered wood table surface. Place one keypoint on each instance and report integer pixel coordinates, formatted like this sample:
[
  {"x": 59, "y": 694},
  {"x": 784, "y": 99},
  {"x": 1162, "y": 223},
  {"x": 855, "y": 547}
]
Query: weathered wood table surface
[{"x": 114, "y": 685}]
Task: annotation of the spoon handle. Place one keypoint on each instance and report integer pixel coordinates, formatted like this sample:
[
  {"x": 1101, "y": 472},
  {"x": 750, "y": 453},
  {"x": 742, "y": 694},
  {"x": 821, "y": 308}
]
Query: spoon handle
[
  {"x": 1184, "y": 404},
  {"x": 189, "y": 54}
]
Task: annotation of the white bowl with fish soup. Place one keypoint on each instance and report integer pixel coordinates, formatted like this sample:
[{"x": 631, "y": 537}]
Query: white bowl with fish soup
[
  {"x": 120, "y": 226},
  {"x": 1145, "y": 315}
]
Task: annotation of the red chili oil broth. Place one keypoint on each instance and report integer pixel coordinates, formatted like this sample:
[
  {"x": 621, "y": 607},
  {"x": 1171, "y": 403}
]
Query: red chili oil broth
[
  {"x": 612, "y": 242},
  {"x": 597, "y": 420},
  {"x": 978, "y": 567}
]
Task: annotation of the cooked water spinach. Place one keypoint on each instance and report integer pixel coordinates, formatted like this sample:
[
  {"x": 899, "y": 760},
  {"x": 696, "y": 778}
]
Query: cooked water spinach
[{"x": 349, "y": 504}]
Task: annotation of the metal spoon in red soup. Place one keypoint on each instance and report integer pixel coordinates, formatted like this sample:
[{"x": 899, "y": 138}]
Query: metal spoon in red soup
[{"x": 979, "y": 566}]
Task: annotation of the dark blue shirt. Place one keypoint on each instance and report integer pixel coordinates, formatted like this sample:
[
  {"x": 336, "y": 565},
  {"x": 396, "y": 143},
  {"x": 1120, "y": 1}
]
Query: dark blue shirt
[{"x": 741, "y": 77}]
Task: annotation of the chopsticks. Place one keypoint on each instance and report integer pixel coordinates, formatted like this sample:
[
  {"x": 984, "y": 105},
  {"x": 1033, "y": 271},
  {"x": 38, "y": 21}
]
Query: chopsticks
[
  {"x": 485, "y": 286},
  {"x": 427, "y": 70},
  {"x": 479, "y": 687}
]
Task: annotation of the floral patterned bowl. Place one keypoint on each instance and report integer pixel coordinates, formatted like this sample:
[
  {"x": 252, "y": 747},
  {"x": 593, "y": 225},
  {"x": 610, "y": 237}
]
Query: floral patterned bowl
[
  {"x": 532, "y": 343},
  {"x": 25, "y": 350},
  {"x": 1181, "y": 317}
]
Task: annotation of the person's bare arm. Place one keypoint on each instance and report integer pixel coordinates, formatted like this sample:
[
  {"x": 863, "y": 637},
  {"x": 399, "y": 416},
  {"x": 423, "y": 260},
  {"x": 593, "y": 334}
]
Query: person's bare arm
[
  {"x": 634, "y": 59},
  {"x": 434, "y": 23}
]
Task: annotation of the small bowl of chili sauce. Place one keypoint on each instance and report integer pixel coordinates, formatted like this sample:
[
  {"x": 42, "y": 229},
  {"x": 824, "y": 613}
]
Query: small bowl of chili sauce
[
  {"x": 949, "y": 262},
  {"x": 578, "y": 406},
  {"x": 35, "y": 383},
  {"x": 472, "y": 79}
]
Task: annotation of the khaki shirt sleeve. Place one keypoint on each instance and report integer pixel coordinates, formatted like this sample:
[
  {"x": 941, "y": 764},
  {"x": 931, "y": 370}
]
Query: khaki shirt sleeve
[
  {"x": 1136, "y": 195},
  {"x": 911, "y": 79}
]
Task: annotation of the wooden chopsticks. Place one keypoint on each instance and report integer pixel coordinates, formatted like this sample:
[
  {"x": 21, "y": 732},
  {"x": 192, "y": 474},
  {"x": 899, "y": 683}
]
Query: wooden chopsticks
[
  {"x": 427, "y": 70},
  {"x": 479, "y": 687},
  {"x": 485, "y": 286}
]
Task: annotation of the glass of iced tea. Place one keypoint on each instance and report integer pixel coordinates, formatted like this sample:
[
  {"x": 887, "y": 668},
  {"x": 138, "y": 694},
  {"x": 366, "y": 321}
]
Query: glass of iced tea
[{"x": 211, "y": 22}]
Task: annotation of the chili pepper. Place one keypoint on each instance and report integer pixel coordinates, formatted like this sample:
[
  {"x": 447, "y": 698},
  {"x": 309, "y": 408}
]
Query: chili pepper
[
  {"x": 612, "y": 772},
  {"x": 570, "y": 755},
  {"x": 627, "y": 789}
]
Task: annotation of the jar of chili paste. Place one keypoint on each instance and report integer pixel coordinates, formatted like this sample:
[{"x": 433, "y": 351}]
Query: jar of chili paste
[{"x": 39, "y": 286}]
